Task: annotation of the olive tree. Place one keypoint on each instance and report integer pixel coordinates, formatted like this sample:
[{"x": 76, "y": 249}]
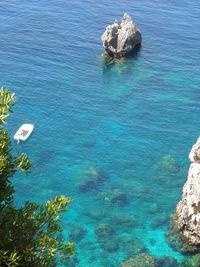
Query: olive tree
[{"x": 30, "y": 235}]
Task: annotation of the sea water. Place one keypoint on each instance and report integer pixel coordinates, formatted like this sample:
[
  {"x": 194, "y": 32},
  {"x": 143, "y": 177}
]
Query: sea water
[{"x": 129, "y": 126}]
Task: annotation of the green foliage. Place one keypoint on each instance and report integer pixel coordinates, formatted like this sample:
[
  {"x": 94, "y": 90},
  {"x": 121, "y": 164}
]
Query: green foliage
[
  {"x": 28, "y": 235},
  {"x": 7, "y": 101}
]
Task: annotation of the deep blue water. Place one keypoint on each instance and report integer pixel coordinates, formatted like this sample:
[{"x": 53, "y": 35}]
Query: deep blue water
[{"x": 135, "y": 121}]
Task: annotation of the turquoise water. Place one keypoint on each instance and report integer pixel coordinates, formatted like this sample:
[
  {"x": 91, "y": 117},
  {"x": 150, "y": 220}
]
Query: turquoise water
[{"x": 129, "y": 126}]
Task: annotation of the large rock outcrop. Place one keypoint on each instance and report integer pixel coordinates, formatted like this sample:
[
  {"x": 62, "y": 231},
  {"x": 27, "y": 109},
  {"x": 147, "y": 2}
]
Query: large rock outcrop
[
  {"x": 188, "y": 209},
  {"x": 120, "y": 39}
]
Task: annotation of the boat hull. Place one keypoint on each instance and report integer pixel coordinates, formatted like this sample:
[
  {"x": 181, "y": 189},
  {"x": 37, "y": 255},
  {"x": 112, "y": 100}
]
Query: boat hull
[{"x": 23, "y": 132}]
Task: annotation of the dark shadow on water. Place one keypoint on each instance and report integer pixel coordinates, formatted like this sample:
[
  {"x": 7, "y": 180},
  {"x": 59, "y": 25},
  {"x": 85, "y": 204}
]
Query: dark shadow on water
[
  {"x": 44, "y": 157},
  {"x": 135, "y": 53}
]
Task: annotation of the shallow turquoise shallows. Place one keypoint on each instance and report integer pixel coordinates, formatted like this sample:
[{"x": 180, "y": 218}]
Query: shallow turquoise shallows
[{"x": 116, "y": 137}]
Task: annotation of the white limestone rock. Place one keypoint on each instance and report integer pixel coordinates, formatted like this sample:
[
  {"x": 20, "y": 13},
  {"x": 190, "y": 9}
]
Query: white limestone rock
[
  {"x": 120, "y": 39},
  {"x": 188, "y": 209}
]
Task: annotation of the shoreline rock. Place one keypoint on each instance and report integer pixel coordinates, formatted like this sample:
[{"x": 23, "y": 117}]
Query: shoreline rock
[
  {"x": 121, "y": 39},
  {"x": 177, "y": 241},
  {"x": 188, "y": 209}
]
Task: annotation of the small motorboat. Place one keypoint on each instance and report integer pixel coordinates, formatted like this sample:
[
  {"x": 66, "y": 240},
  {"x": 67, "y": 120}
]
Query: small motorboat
[{"x": 23, "y": 132}]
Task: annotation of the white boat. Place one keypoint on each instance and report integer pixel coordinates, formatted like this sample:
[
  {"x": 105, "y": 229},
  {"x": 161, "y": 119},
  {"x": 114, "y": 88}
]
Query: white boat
[{"x": 23, "y": 132}]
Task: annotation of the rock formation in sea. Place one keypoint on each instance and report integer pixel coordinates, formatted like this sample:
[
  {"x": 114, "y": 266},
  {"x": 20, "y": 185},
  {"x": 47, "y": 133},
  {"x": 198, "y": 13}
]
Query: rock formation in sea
[
  {"x": 121, "y": 39},
  {"x": 188, "y": 209}
]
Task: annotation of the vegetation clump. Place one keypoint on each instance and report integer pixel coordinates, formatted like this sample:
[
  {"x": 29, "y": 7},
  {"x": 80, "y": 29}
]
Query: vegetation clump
[{"x": 29, "y": 235}]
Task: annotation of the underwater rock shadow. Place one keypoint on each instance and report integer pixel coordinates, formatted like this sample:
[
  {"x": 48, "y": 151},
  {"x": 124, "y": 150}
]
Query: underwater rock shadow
[
  {"x": 44, "y": 157},
  {"x": 106, "y": 237},
  {"x": 126, "y": 97},
  {"x": 118, "y": 74},
  {"x": 87, "y": 176}
]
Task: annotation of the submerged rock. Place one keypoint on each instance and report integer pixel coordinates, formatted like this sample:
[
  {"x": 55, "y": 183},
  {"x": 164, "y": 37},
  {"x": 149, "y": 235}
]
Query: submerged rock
[
  {"x": 88, "y": 245},
  {"x": 72, "y": 261},
  {"x": 141, "y": 260},
  {"x": 96, "y": 214},
  {"x": 76, "y": 232},
  {"x": 167, "y": 164},
  {"x": 106, "y": 238},
  {"x": 167, "y": 261},
  {"x": 120, "y": 39},
  {"x": 151, "y": 208},
  {"x": 124, "y": 221},
  {"x": 132, "y": 246},
  {"x": 113, "y": 196},
  {"x": 192, "y": 261},
  {"x": 88, "y": 175},
  {"x": 167, "y": 172},
  {"x": 136, "y": 189},
  {"x": 159, "y": 220},
  {"x": 104, "y": 230},
  {"x": 188, "y": 209},
  {"x": 106, "y": 263}
]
